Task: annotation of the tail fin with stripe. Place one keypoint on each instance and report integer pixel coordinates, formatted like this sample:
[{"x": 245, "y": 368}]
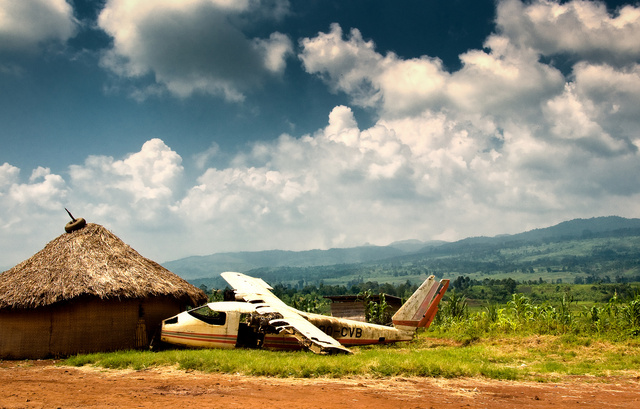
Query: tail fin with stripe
[{"x": 420, "y": 309}]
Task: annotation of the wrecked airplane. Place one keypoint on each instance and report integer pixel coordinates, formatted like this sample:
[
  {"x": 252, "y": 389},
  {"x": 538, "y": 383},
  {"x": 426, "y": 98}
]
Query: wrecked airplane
[{"x": 259, "y": 319}]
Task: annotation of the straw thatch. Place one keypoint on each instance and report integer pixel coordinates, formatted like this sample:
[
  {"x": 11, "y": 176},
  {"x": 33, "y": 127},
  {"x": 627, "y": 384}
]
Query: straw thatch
[{"x": 90, "y": 262}]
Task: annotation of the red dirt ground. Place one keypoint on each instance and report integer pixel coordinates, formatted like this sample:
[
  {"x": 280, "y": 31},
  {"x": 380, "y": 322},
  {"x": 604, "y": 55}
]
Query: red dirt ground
[{"x": 41, "y": 384}]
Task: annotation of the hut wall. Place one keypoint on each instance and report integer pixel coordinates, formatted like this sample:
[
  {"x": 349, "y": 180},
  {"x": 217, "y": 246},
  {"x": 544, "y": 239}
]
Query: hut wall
[
  {"x": 344, "y": 307},
  {"x": 82, "y": 326},
  {"x": 353, "y": 310}
]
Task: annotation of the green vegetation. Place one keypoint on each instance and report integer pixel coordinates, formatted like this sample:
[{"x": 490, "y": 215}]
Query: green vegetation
[
  {"x": 599, "y": 250},
  {"x": 520, "y": 339},
  {"x": 615, "y": 320},
  {"x": 610, "y": 259},
  {"x": 542, "y": 358},
  {"x": 540, "y": 305}
]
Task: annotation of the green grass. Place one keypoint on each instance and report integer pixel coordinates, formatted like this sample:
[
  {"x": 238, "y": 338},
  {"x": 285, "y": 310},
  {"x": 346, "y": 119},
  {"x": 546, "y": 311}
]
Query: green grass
[
  {"x": 513, "y": 358},
  {"x": 384, "y": 362},
  {"x": 521, "y": 339}
]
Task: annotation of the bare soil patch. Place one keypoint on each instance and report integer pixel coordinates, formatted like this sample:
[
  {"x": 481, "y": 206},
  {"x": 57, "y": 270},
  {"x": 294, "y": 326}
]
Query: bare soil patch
[{"x": 41, "y": 384}]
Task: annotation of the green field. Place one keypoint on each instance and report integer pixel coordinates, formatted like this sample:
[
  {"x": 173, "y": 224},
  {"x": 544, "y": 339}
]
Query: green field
[
  {"x": 541, "y": 358},
  {"x": 587, "y": 260},
  {"x": 521, "y": 339}
]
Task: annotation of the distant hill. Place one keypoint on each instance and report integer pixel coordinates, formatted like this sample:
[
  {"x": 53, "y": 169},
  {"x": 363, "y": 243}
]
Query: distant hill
[
  {"x": 607, "y": 247},
  {"x": 573, "y": 229},
  {"x": 214, "y": 264},
  {"x": 580, "y": 228},
  {"x": 413, "y": 246}
]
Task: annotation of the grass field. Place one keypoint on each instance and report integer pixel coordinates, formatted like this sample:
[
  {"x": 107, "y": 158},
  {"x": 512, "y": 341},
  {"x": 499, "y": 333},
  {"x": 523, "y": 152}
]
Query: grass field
[
  {"x": 519, "y": 340},
  {"x": 540, "y": 358}
]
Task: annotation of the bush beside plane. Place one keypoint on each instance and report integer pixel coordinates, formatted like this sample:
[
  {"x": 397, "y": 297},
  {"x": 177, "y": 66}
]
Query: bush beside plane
[{"x": 259, "y": 319}]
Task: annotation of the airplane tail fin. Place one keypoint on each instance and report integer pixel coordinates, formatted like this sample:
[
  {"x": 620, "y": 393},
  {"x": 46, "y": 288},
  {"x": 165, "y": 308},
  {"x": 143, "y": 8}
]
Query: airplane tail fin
[{"x": 420, "y": 309}]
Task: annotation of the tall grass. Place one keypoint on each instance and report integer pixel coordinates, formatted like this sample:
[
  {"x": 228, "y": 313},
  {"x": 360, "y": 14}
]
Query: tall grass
[
  {"x": 536, "y": 357},
  {"x": 615, "y": 319},
  {"x": 373, "y": 362},
  {"x": 518, "y": 340}
]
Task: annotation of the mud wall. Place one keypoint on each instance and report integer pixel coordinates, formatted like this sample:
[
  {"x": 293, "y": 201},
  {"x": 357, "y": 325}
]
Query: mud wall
[{"x": 82, "y": 326}]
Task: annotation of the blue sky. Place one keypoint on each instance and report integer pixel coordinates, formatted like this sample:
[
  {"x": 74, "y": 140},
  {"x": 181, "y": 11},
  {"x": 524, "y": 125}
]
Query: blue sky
[{"x": 201, "y": 126}]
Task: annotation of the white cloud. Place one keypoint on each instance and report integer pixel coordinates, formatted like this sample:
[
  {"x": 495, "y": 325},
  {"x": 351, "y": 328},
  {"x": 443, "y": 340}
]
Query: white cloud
[
  {"x": 131, "y": 196},
  {"x": 44, "y": 190},
  {"x": 505, "y": 81},
  {"x": 348, "y": 66},
  {"x": 27, "y": 24},
  {"x": 504, "y": 144},
  {"x": 507, "y": 136},
  {"x": 575, "y": 120},
  {"x": 201, "y": 159},
  {"x": 8, "y": 175},
  {"x": 615, "y": 95},
  {"x": 370, "y": 79},
  {"x": 27, "y": 211},
  {"x": 581, "y": 28},
  {"x": 274, "y": 51},
  {"x": 507, "y": 78},
  {"x": 412, "y": 85},
  {"x": 145, "y": 181},
  {"x": 191, "y": 47},
  {"x": 342, "y": 186}
]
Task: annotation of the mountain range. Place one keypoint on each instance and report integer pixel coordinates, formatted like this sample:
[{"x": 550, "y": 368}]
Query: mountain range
[{"x": 201, "y": 268}]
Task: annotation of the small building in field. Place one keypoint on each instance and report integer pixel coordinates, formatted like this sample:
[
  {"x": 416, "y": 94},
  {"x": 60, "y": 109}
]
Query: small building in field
[
  {"x": 353, "y": 306},
  {"x": 87, "y": 291}
]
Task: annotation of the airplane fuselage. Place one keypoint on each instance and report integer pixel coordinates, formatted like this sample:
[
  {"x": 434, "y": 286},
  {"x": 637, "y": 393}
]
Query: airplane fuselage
[
  {"x": 230, "y": 324},
  {"x": 259, "y": 319}
]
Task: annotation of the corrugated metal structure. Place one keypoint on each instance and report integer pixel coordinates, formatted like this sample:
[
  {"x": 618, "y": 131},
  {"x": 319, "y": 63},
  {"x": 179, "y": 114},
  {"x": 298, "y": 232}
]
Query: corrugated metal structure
[
  {"x": 353, "y": 308},
  {"x": 86, "y": 291}
]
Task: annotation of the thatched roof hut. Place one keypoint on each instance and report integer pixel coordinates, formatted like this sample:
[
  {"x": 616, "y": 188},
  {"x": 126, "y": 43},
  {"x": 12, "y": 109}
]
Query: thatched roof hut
[
  {"x": 90, "y": 262},
  {"x": 86, "y": 291}
]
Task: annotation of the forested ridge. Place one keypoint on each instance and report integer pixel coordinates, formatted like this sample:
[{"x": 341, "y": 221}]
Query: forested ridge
[{"x": 599, "y": 250}]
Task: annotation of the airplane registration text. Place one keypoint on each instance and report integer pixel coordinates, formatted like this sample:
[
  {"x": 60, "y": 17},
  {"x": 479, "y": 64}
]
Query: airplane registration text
[{"x": 344, "y": 331}]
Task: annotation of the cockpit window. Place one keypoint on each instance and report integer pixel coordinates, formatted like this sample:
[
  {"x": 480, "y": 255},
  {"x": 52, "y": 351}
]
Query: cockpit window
[{"x": 209, "y": 316}]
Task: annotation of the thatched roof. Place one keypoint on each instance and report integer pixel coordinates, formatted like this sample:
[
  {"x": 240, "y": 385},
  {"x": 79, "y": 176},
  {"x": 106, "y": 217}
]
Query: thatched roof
[{"x": 90, "y": 262}]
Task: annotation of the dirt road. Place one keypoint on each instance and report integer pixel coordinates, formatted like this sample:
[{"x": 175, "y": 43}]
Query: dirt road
[{"x": 41, "y": 384}]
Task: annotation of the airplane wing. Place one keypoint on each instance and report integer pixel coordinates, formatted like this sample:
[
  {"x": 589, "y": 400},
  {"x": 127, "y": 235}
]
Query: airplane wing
[
  {"x": 252, "y": 290},
  {"x": 282, "y": 317}
]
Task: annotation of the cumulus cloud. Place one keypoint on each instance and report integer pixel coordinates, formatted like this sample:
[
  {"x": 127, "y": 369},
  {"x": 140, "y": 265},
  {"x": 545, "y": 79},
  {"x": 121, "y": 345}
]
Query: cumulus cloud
[
  {"x": 8, "y": 175},
  {"x": 506, "y": 81},
  {"x": 372, "y": 80},
  {"x": 197, "y": 46},
  {"x": 508, "y": 134},
  {"x": 488, "y": 81},
  {"x": 26, "y": 24},
  {"x": 429, "y": 176},
  {"x": 615, "y": 95},
  {"x": 584, "y": 29},
  {"x": 347, "y": 66},
  {"x": 139, "y": 187},
  {"x": 304, "y": 191},
  {"x": 503, "y": 144},
  {"x": 200, "y": 159},
  {"x": 505, "y": 78},
  {"x": 44, "y": 190},
  {"x": 132, "y": 196},
  {"x": 26, "y": 210}
]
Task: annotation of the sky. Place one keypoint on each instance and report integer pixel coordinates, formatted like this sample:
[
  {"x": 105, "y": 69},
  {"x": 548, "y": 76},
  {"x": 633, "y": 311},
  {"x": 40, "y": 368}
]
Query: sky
[{"x": 203, "y": 126}]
